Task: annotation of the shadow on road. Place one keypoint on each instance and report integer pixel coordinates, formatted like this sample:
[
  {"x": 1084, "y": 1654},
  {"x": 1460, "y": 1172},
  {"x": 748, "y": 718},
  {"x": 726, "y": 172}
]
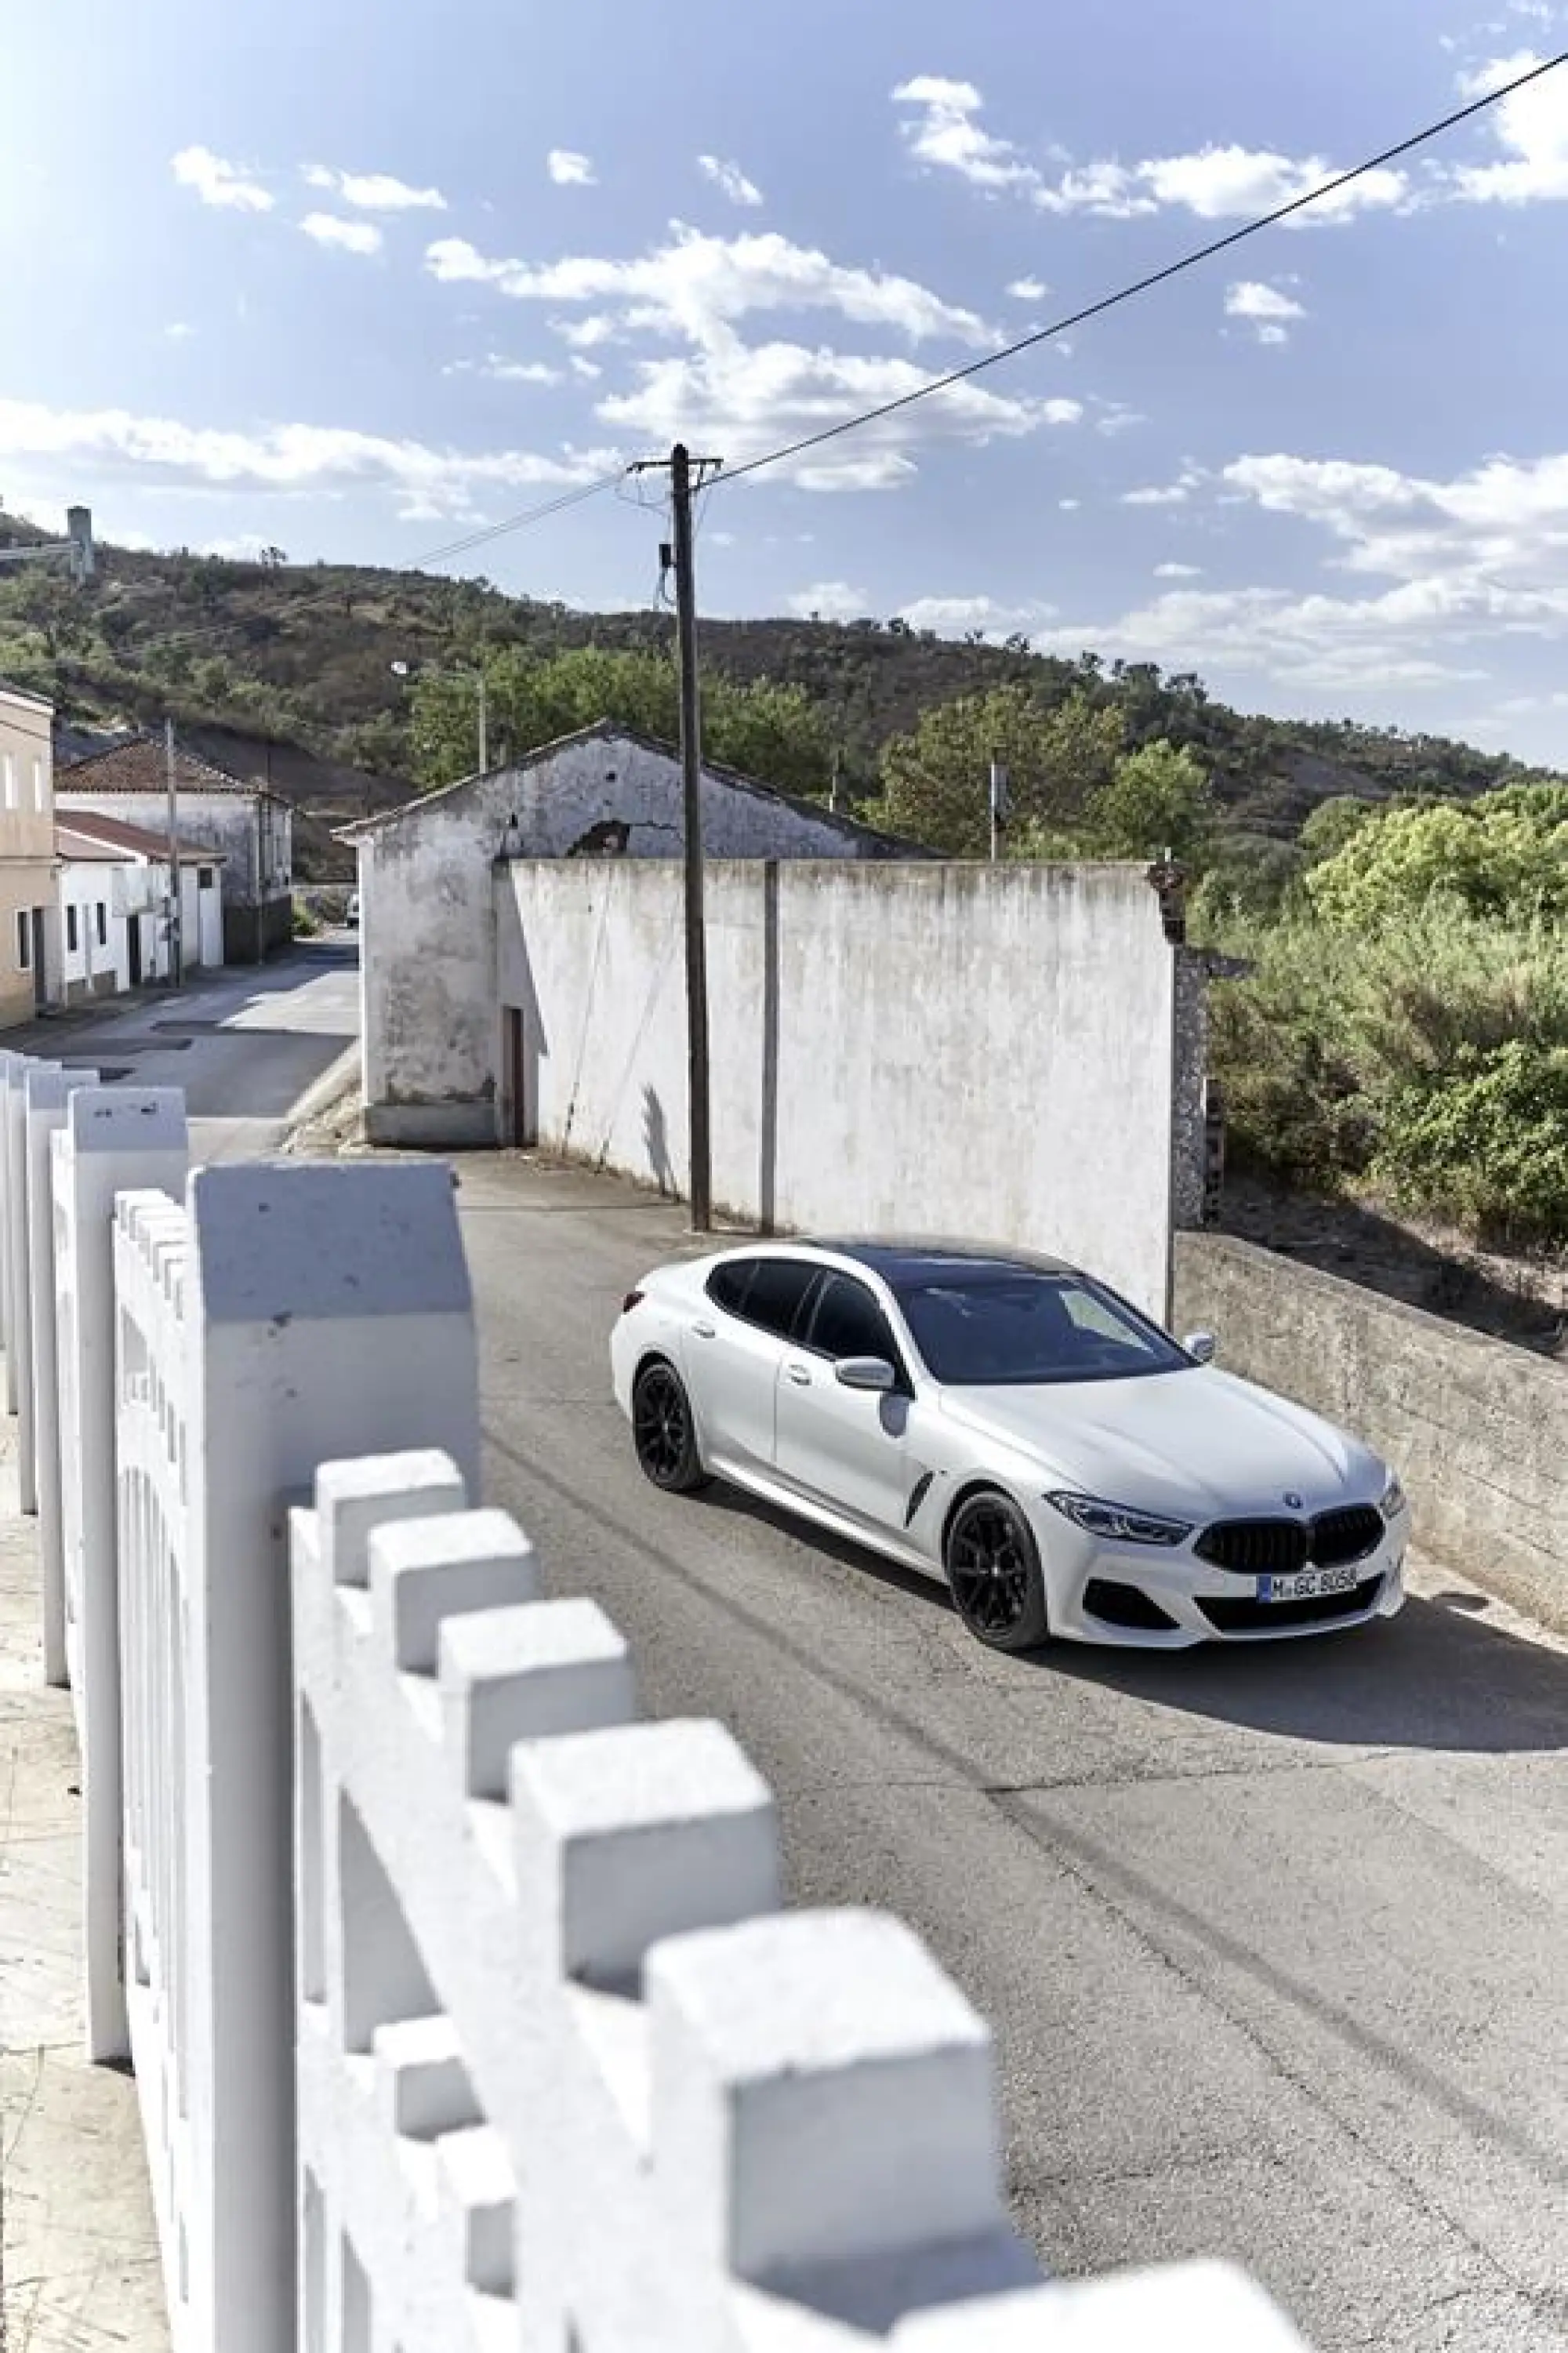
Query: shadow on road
[{"x": 1436, "y": 1677}]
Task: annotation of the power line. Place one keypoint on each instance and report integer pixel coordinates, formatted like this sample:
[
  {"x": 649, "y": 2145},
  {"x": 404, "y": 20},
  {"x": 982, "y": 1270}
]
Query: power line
[{"x": 1153, "y": 277}]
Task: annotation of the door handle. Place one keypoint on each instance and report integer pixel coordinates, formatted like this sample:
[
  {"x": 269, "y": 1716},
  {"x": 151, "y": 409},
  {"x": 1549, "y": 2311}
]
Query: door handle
[
  {"x": 800, "y": 1375},
  {"x": 706, "y": 1331}
]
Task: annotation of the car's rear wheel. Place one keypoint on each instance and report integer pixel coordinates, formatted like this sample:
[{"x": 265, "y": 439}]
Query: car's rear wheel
[
  {"x": 665, "y": 1430},
  {"x": 993, "y": 1568}
]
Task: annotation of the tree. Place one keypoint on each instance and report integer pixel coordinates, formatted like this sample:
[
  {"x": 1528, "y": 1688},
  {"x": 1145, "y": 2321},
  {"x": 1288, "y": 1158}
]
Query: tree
[
  {"x": 1332, "y": 824},
  {"x": 1503, "y": 855},
  {"x": 935, "y": 778},
  {"x": 1154, "y": 800}
]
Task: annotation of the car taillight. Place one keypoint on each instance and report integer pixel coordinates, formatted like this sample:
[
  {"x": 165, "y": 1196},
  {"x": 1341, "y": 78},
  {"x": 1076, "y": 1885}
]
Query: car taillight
[{"x": 632, "y": 1299}]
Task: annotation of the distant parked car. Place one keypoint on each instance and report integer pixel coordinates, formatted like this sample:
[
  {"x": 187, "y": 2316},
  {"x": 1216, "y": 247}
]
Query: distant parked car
[
  {"x": 352, "y": 916},
  {"x": 1012, "y": 1426}
]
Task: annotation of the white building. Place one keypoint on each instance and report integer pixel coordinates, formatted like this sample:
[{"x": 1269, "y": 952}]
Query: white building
[
  {"x": 249, "y": 830},
  {"x": 114, "y": 905},
  {"x": 433, "y": 874}
]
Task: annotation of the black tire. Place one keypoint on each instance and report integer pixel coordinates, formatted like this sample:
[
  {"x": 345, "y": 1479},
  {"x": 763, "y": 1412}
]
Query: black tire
[
  {"x": 994, "y": 1570},
  {"x": 665, "y": 1430}
]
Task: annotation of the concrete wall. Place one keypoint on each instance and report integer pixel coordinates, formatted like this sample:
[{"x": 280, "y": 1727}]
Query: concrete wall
[
  {"x": 980, "y": 1050},
  {"x": 427, "y": 936},
  {"x": 1477, "y": 1429},
  {"x": 94, "y": 966},
  {"x": 26, "y": 851}
]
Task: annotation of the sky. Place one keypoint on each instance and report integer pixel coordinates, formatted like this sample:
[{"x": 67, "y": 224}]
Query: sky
[{"x": 357, "y": 280}]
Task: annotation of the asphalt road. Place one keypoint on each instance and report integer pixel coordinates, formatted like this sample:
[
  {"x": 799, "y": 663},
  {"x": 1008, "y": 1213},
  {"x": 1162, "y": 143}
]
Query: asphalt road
[
  {"x": 1273, "y": 1940},
  {"x": 247, "y": 1045}
]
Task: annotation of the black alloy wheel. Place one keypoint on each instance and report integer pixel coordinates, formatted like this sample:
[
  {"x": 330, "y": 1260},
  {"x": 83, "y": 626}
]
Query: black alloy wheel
[
  {"x": 993, "y": 1568},
  {"x": 664, "y": 1431}
]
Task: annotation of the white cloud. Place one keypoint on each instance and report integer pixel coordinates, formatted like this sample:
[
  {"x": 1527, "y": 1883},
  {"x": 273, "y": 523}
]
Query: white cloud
[
  {"x": 1214, "y": 183},
  {"x": 730, "y": 180},
  {"x": 179, "y": 331},
  {"x": 589, "y": 370},
  {"x": 1029, "y": 290},
  {"x": 374, "y": 192},
  {"x": 505, "y": 371},
  {"x": 945, "y": 132},
  {"x": 960, "y": 617},
  {"x": 1531, "y": 129},
  {"x": 829, "y": 600},
  {"x": 1455, "y": 569},
  {"x": 695, "y": 284},
  {"x": 1159, "y": 494},
  {"x": 1178, "y": 572},
  {"x": 116, "y": 448},
  {"x": 568, "y": 169},
  {"x": 1070, "y": 506},
  {"x": 586, "y": 335},
  {"x": 1266, "y": 308},
  {"x": 348, "y": 236},
  {"x": 228, "y": 185}
]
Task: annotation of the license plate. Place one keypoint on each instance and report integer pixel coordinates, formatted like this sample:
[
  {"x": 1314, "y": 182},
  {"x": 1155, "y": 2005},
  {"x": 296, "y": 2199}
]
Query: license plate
[{"x": 1308, "y": 1585}]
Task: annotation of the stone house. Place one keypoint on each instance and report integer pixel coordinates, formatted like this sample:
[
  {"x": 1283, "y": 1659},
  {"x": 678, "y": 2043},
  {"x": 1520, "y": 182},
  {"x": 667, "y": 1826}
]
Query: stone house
[
  {"x": 248, "y": 831},
  {"x": 438, "y": 1042}
]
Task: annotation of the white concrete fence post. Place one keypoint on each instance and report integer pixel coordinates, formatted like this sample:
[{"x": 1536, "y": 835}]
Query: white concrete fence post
[
  {"x": 115, "y": 1140},
  {"x": 49, "y": 1089},
  {"x": 24, "y": 1071},
  {"x": 315, "y": 1310}
]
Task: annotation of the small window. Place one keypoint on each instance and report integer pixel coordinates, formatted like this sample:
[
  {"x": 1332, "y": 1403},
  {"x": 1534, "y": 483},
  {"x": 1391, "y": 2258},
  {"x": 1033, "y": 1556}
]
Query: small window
[
  {"x": 25, "y": 941},
  {"x": 776, "y": 1292},
  {"x": 727, "y": 1284},
  {"x": 102, "y": 926},
  {"x": 203, "y": 878},
  {"x": 72, "y": 928},
  {"x": 848, "y": 1322},
  {"x": 8, "y": 777}
]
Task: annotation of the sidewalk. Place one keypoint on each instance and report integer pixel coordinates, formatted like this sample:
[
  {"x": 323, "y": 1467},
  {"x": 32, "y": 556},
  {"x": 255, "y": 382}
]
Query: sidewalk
[{"x": 79, "y": 2257}]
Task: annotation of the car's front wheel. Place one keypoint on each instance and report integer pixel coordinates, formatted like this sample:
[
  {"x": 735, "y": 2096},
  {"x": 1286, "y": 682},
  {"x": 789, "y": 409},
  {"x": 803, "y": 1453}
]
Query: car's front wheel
[
  {"x": 665, "y": 1430},
  {"x": 993, "y": 1568}
]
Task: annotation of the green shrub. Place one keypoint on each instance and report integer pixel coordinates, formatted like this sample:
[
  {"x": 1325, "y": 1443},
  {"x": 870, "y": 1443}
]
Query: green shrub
[{"x": 1487, "y": 1144}]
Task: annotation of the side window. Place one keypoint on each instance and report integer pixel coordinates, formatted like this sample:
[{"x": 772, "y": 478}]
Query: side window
[
  {"x": 727, "y": 1285},
  {"x": 848, "y": 1322},
  {"x": 778, "y": 1285},
  {"x": 72, "y": 920}
]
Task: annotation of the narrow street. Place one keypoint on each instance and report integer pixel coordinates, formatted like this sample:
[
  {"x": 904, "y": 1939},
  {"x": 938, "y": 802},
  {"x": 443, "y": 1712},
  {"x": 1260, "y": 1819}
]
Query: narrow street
[{"x": 246, "y": 1044}]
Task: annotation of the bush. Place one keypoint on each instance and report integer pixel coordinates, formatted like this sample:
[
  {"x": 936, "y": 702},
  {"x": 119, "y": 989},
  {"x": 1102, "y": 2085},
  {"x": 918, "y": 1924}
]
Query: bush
[{"x": 1487, "y": 1144}]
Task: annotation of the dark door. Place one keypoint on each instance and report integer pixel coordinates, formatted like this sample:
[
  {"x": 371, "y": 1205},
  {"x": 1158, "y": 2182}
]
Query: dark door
[
  {"x": 133, "y": 949},
  {"x": 518, "y": 1105},
  {"x": 40, "y": 978}
]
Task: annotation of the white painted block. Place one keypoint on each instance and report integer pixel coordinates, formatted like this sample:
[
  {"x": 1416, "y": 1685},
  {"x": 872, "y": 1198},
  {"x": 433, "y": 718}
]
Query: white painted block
[
  {"x": 354, "y": 1498},
  {"x": 422, "y": 2081},
  {"x": 528, "y": 1673},
  {"x": 424, "y": 1572},
  {"x": 631, "y": 1834}
]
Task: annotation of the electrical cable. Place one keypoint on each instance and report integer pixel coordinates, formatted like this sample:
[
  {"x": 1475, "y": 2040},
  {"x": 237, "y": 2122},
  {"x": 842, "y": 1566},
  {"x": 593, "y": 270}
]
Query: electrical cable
[{"x": 1153, "y": 277}]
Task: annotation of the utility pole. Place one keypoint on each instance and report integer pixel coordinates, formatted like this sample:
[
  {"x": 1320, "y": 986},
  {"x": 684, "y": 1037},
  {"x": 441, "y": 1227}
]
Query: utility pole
[
  {"x": 998, "y": 805},
  {"x": 484, "y": 722},
  {"x": 176, "y": 944},
  {"x": 682, "y": 468}
]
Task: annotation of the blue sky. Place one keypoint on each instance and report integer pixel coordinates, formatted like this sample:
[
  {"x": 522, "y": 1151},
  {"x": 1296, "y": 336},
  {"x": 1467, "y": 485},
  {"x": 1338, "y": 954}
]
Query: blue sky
[{"x": 353, "y": 280}]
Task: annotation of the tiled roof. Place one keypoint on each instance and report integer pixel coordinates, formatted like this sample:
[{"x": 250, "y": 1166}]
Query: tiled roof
[
  {"x": 109, "y": 837},
  {"x": 141, "y": 766}
]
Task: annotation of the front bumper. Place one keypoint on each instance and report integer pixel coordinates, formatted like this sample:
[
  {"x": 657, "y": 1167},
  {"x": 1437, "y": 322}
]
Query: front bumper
[{"x": 1084, "y": 1577}]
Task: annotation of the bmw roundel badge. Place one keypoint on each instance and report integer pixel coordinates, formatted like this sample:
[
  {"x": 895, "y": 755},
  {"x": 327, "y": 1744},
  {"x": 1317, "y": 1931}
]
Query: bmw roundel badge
[{"x": 1292, "y": 1503}]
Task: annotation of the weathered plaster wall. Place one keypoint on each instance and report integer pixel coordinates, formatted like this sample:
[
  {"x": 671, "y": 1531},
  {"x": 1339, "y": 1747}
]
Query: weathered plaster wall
[
  {"x": 979, "y": 1051},
  {"x": 254, "y": 879},
  {"x": 428, "y": 945}
]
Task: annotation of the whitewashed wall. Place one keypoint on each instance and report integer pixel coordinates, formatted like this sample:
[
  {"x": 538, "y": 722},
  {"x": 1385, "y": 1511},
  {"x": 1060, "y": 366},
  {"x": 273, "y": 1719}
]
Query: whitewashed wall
[
  {"x": 428, "y": 927},
  {"x": 971, "y": 1050}
]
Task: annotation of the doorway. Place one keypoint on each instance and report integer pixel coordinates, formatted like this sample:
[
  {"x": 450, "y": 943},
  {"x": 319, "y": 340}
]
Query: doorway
[
  {"x": 40, "y": 976},
  {"x": 133, "y": 949},
  {"x": 522, "y": 1115}
]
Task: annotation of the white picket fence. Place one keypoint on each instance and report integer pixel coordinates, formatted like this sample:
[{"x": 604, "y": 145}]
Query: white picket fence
[{"x": 462, "y": 2003}]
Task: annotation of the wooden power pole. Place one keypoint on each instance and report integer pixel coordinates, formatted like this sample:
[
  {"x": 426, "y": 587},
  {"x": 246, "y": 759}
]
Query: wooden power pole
[{"x": 687, "y": 473}]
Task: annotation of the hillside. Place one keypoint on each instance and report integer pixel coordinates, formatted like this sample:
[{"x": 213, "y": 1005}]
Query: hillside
[{"x": 294, "y": 662}]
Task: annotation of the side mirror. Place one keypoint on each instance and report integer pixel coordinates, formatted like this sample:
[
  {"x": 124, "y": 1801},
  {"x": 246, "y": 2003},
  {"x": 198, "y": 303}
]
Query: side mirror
[
  {"x": 873, "y": 1373},
  {"x": 1200, "y": 1347}
]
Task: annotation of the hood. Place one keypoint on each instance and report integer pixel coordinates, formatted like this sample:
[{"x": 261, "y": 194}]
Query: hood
[{"x": 1198, "y": 1443}]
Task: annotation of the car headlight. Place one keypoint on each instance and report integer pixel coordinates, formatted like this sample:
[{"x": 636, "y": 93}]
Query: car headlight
[
  {"x": 1393, "y": 1499},
  {"x": 1120, "y": 1522}
]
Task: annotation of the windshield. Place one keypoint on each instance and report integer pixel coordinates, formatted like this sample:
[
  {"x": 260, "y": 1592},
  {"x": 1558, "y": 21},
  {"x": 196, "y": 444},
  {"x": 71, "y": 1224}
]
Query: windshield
[{"x": 995, "y": 1328}]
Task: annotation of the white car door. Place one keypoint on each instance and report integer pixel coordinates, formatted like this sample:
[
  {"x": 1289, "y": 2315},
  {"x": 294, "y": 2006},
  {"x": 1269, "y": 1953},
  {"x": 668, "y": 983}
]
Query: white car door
[
  {"x": 846, "y": 1448},
  {"x": 737, "y": 1340}
]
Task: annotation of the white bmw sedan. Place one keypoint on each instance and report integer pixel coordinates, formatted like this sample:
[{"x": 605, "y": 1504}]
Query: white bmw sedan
[{"x": 1011, "y": 1426}]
